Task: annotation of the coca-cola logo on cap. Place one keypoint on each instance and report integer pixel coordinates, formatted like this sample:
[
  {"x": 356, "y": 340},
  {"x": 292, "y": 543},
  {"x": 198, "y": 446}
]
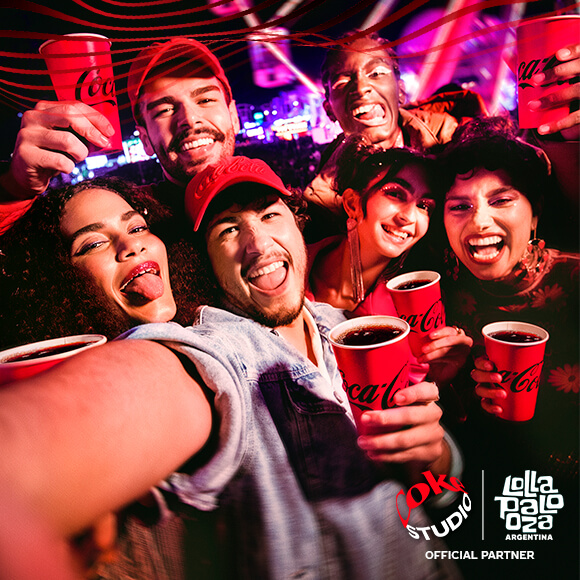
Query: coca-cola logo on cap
[{"x": 238, "y": 166}]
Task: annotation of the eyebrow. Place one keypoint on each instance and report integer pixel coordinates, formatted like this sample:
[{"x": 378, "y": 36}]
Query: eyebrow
[
  {"x": 489, "y": 194},
  {"x": 97, "y": 226},
  {"x": 170, "y": 100}
]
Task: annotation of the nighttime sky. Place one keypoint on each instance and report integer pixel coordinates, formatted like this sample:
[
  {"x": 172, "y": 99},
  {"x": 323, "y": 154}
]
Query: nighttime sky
[{"x": 132, "y": 25}]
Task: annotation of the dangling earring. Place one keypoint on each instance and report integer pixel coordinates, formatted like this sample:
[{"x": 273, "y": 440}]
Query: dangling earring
[
  {"x": 532, "y": 258},
  {"x": 355, "y": 262}
]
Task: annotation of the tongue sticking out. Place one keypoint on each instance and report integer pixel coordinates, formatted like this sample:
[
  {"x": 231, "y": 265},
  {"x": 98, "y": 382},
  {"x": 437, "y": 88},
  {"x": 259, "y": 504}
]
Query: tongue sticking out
[
  {"x": 146, "y": 287},
  {"x": 270, "y": 281}
]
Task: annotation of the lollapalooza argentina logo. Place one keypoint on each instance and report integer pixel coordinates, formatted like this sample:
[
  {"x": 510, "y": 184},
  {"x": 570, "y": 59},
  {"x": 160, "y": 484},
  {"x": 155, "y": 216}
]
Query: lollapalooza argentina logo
[
  {"x": 420, "y": 492},
  {"x": 528, "y": 505}
]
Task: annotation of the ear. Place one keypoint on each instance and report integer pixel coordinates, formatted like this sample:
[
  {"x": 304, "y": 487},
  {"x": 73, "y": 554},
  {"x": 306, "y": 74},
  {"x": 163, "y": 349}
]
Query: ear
[
  {"x": 328, "y": 110},
  {"x": 142, "y": 132},
  {"x": 351, "y": 203},
  {"x": 402, "y": 93},
  {"x": 234, "y": 116}
]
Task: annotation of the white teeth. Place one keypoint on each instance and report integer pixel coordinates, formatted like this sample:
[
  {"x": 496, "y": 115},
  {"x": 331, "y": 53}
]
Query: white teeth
[
  {"x": 397, "y": 234},
  {"x": 195, "y": 144},
  {"x": 267, "y": 270},
  {"x": 362, "y": 110},
  {"x": 489, "y": 241},
  {"x": 148, "y": 271}
]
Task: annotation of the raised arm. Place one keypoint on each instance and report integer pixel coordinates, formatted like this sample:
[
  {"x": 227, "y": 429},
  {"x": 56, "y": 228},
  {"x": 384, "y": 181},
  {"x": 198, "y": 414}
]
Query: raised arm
[
  {"x": 53, "y": 137},
  {"x": 99, "y": 430}
]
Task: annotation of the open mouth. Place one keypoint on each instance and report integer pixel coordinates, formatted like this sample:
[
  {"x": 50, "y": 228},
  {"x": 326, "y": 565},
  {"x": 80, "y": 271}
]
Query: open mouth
[
  {"x": 396, "y": 235},
  {"x": 269, "y": 277},
  {"x": 203, "y": 142},
  {"x": 372, "y": 114},
  {"x": 143, "y": 283},
  {"x": 485, "y": 249}
]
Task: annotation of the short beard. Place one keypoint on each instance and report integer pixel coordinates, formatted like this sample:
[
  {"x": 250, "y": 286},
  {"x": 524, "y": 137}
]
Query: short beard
[
  {"x": 184, "y": 174},
  {"x": 282, "y": 317}
]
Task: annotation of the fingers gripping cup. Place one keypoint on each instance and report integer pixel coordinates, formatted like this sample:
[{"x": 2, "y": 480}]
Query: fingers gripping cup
[
  {"x": 538, "y": 40},
  {"x": 80, "y": 68},
  {"x": 417, "y": 299},
  {"x": 517, "y": 350},
  {"x": 372, "y": 353},
  {"x": 22, "y": 362}
]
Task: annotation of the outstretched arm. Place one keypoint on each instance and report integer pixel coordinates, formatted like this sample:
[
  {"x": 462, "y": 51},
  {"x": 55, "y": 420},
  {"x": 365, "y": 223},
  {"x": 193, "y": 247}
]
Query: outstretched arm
[
  {"x": 97, "y": 431},
  {"x": 53, "y": 137}
]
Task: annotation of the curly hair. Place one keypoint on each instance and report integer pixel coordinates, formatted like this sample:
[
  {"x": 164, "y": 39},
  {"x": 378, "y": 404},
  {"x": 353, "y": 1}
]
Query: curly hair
[
  {"x": 43, "y": 296},
  {"x": 492, "y": 143}
]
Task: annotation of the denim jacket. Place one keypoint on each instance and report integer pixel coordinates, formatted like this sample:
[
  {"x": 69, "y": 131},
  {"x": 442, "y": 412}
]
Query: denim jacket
[{"x": 292, "y": 494}]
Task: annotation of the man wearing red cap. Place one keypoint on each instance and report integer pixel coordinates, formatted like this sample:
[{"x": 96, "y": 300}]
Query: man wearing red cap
[
  {"x": 242, "y": 416},
  {"x": 182, "y": 104}
]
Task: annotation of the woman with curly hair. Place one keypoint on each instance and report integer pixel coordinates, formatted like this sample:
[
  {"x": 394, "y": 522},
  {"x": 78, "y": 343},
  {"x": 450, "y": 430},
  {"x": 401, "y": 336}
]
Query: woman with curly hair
[
  {"x": 500, "y": 270},
  {"x": 84, "y": 260}
]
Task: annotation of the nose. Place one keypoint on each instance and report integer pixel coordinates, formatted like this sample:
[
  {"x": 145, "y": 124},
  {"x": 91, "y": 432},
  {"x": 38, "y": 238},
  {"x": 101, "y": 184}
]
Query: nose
[
  {"x": 129, "y": 246},
  {"x": 407, "y": 213},
  {"x": 481, "y": 216},
  {"x": 187, "y": 116},
  {"x": 360, "y": 84},
  {"x": 256, "y": 241}
]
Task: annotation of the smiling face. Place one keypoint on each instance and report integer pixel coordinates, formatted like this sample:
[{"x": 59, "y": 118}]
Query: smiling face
[
  {"x": 111, "y": 243},
  {"x": 397, "y": 213},
  {"x": 188, "y": 124},
  {"x": 259, "y": 259},
  {"x": 488, "y": 223},
  {"x": 363, "y": 93}
]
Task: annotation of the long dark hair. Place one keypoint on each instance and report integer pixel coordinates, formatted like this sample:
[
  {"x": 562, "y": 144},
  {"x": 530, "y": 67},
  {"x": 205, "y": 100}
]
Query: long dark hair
[{"x": 43, "y": 296}]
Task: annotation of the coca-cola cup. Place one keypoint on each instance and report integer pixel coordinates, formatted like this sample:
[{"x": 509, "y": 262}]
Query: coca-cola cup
[
  {"x": 417, "y": 299},
  {"x": 537, "y": 43},
  {"x": 372, "y": 353},
  {"x": 517, "y": 350},
  {"x": 22, "y": 362},
  {"x": 81, "y": 69}
]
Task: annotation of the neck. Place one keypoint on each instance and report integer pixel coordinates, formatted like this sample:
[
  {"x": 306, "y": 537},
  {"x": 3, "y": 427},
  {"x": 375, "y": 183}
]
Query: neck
[
  {"x": 331, "y": 278},
  {"x": 297, "y": 334}
]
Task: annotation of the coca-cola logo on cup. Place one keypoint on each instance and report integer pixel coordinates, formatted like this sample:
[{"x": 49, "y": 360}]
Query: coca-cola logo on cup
[
  {"x": 91, "y": 85},
  {"x": 526, "y": 70},
  {"x": 363, "y": 396},
  {"x": 426, "y": 321},
  {"x": 527, "y": 380}
]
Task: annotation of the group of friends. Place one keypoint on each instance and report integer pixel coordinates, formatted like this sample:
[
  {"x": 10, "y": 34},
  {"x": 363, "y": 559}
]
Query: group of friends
[{"x": 211, "y": 436}]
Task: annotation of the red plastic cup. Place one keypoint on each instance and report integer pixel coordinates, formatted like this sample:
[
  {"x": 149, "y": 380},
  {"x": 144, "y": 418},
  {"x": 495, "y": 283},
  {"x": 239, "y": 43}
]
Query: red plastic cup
[
  {"x": 81, "y": 69},
  {"x": 537, "y": 43},
  {"x": 22, "y": 362},
  {"x": 520, "y": 364},
  {"x": 372, "y": 373},
  {"x": 420, "y": 305}
]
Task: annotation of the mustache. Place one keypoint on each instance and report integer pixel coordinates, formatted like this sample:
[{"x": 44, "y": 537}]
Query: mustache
[{"x": 177, "y": 141}]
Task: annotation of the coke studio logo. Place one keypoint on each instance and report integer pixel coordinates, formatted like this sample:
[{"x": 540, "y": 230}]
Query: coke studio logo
[
  {"x": 91, "y": 87},
  {"x": 427, "y": 321},
  {"x": 419, "y": 493}
]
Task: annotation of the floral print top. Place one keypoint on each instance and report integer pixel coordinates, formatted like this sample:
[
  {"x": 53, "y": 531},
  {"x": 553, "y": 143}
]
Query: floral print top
[{"x": 548, "y": 298}]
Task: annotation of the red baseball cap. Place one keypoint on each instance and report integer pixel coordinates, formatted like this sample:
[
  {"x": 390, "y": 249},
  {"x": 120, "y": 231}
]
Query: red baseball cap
[
  {"x": 163, "y": 52},
  {"x": 207, "y": 184}
]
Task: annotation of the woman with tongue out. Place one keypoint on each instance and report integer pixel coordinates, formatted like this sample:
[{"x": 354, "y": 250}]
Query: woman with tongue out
[
  {"x": 83, "y": 260},
  {"x": 498, "y": 269},
  {"x": 388, "y": 196}
]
